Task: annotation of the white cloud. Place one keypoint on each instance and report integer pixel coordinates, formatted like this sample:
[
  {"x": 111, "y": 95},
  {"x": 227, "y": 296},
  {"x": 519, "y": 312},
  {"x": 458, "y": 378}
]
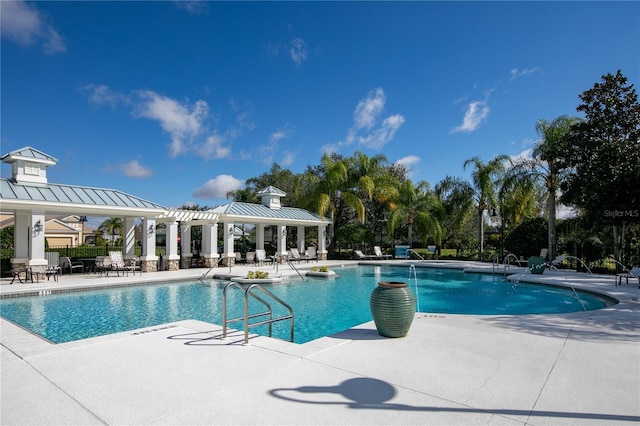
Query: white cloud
[
  {"x": 298, "y": 51},
  {"x": 287, "y": 159},
  {"x": 187, "y": 123},
  {"x": 365, "y": 130},
  {"x": 266, "y": 153},
  {"x": 135, "y": 169},
  {"x": 24, "y": 24},
  {"x": 516, "y": 73},
  {"x": 214, "y": 148},
  {"x": 524, "y": 155},
  {"x": 380, "y": 136},
  {"x": 369, "y": 109},
  {"x": 477, "y": 112},
  {"x": 409, "y": 160},
  {"x": 182, "y": 121},
  {"x": 103, "y": 95},
  {"x": 194, "y": 7},
  {"x": 218, "y": 187}
]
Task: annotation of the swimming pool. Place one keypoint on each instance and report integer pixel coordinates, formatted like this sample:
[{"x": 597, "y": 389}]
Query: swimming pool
[{"x": 321, "y": 306}]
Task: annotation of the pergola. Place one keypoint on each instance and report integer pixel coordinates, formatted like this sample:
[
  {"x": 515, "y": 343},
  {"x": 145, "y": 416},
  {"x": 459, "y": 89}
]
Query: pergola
[{"x": 29, "y": 196}]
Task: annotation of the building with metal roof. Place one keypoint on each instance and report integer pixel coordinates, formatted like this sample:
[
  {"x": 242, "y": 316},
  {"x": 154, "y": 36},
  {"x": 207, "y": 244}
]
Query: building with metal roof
[{"x": 29, "y": 196}]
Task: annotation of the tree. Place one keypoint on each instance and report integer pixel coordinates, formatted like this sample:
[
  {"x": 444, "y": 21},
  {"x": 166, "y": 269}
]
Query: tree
[
  {"x": 283, "y": 179},
  {"x": 485, "y": 178},
  {"x": 456, "y": 198},
  {"x": 331, "y": 187},
  {"x": 603, "y": 153},
  {"x": 544, "y": 167},
  {"x": 414, "y": 205},
  {"x": 112, "y": 226}
]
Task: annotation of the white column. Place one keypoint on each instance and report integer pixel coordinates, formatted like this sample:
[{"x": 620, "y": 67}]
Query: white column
[
  {"x": 282, "y": 240},
  {"x": 172, "y": 241},
  {"x": 322, "y": 241},
  {"x": 21, "y": 237},
  {"x": 260, "y": 235},
  {"x": 129, "y": 240},
  {"x": 36, "y": 245},
  {"x": 185, "y": 245},
  {"x": 300, "y": 235},
  {"x": 210, "y": 241},
  {"x": 228, "y": 239},
  {"x": 148, "y": 240}
]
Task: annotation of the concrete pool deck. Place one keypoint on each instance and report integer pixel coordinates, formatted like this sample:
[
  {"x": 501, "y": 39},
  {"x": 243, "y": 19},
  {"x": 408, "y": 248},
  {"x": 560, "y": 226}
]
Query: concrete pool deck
[{"x": 580, "y": 368}]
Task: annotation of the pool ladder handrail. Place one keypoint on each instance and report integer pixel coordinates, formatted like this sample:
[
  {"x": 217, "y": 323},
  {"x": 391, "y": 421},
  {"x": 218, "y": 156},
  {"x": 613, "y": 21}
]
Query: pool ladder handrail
[
  {"x": 248, "y": 292},
  {"x": 217, "y": 263},
  {"x": 505, "y": 263},
  {"x": 409, "y": 251},
  {"x": 286, "y": 259}
]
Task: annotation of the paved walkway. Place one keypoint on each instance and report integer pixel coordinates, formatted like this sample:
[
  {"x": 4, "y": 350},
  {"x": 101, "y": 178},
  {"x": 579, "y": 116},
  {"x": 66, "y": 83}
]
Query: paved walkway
[{"x": 581, "y": 368}]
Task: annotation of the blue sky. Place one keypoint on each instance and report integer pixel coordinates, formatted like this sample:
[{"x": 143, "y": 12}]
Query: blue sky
[{"x": 180, "y": 102}]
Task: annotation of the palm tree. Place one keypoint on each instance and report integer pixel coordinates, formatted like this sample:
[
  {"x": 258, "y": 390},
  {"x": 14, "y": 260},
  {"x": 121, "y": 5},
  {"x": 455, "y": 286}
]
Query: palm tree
[
  {"x": 329, "y": 185},
  {"x": 455, "y": 195},
  {"x": 543, "y": 167},
  {"x": 112, "y": 226},
  {"x": 340, "y": 183},
  {"x": 485, "y": 177},
  {"x": 415, "y": 204}
]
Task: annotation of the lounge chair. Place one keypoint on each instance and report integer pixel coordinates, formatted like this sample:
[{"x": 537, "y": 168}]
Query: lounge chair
[
  {"x": 117, "y": 263},
  {"x": 251, "y": 257},
  {"x": 311, "y": 254},
  {"x": 362, "y": 256},
  {"x": 378, "y": 251},
  {"x": 53, "y": 265},
  {"x": 68, "y": 265},
  {"x": 544, "y": 252},
  {"x": 261, "y": 257},
  {"x": 134, "y": 265},
  {"x": 294, "y": 255},
  {"x": 633, "y": 273},
  {"x": 17, "y": 270}
]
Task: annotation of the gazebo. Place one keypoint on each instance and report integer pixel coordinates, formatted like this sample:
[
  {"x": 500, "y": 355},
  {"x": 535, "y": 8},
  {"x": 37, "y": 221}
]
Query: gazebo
[{"x": 29, "y": 196}]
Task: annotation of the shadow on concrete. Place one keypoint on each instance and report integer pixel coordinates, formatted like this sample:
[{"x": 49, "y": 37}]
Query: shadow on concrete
[
  {"x": 595, "y": 326},
  {"x": 211, "y": 338},
  {"x": 368, "y": 393}
]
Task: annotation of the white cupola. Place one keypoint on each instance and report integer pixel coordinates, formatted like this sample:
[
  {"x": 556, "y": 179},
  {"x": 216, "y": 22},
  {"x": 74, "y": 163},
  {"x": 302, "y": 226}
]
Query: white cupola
[
  {"x": 28, "y": 165},
  {"x": 270, "y": 197}
]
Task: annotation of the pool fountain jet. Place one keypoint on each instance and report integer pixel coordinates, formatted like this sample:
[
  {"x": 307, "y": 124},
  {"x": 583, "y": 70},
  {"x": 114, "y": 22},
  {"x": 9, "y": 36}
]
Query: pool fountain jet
[
  {"x": 414, "y": 274},
  {"x": 565, "y": 257}
]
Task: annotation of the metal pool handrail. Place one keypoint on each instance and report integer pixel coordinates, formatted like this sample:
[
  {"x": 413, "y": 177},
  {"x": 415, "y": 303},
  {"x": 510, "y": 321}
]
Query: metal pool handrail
[{"x": 248, "y": 292}]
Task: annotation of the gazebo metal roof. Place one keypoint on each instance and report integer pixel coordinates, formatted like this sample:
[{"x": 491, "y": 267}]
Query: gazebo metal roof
[{"x": 248, "y": 212}]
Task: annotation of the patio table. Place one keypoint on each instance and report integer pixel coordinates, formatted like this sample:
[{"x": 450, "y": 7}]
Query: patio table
[{"x": 89, "y": 263}]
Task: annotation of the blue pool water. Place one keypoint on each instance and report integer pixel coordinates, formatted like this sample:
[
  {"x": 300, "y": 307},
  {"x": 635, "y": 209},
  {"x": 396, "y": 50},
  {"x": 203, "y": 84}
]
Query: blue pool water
[{"x": 321, "y": 306}]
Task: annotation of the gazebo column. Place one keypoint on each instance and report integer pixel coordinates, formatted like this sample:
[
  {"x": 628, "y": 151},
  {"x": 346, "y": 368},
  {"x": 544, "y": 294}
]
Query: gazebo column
[
  {"x": 282, "y": 242},
  {"x": 21, "y": 240},
  {"x": 229, "y": 256},
  {"x": 210, "y": 244},
  {"x": 148, "y": 260},
  {"x": 172, "y": 259},
  {"x": 322, "y": 242},
  {"x": 185, "y": 246},
  {"x": 300, "y": 237},
  {"x": 129, "y": 240},
  {"x": 30, "y": 253},
  {"x": 260, "y": 236}
]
